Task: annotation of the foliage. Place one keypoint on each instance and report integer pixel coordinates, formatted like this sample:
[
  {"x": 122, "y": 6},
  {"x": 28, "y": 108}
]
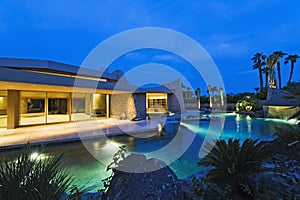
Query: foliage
[
  {"x": 117, "y": 158},
  {"x": 262, "y": 95},
  {"x": 206, "y": 189},
  {"x": 293, "y": 87},
  {"x": 247, "y": 104},
  {"x": 230, "y": 160},
  {"x": 234, "y": 98},
  {"x": 29, "y": 177}
]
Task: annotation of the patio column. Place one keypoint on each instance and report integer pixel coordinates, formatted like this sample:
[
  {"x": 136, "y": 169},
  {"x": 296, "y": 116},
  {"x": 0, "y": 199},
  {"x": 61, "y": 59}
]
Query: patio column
[{"x": 13, "y": 105}]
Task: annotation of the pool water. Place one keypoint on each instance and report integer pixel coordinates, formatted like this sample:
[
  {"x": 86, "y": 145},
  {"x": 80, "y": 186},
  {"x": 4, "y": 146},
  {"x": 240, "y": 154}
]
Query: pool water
[{"x": 89, "y": 171}]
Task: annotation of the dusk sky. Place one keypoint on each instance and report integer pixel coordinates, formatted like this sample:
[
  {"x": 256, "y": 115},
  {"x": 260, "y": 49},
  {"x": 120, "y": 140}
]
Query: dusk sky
[{"x": 231, "y": 31}]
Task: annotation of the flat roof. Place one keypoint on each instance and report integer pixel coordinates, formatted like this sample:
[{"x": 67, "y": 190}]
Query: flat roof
[
  {"x": 13, "y": 75},
  {"x": 51, "y": 66},
  {"x": 158, "y": 89}
]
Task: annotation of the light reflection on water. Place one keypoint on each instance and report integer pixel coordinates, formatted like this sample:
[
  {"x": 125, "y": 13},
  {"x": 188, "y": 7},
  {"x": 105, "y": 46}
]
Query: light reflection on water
[{"x": 89, "y": 171}]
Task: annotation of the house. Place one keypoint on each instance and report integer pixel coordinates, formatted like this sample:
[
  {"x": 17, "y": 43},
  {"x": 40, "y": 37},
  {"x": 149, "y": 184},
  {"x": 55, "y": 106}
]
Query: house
[{"x": 42, "y": 92}]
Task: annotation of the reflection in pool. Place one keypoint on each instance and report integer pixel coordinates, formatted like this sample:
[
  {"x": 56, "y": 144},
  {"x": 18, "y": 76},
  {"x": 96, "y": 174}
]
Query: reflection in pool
[{"x": 89, "y": 171}]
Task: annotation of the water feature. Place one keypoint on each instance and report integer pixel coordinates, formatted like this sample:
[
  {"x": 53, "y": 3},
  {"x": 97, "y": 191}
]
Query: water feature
[{"x": 89, "y": 171}]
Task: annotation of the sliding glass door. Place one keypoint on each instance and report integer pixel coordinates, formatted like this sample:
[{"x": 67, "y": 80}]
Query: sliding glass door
[
  {"x": 58, "y": 107},
  {"x": 32, "y": 108}
]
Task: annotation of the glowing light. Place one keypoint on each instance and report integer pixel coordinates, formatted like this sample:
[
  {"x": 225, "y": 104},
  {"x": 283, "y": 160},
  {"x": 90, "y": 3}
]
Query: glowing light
[
  {"x": 37, "y": 156},
  {"x": 111, "y": 145}
]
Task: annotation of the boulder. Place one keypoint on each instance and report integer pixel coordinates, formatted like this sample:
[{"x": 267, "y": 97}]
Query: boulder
[
  {"x": 277, "y": 145},
  {"x": 132, "y": 181}
]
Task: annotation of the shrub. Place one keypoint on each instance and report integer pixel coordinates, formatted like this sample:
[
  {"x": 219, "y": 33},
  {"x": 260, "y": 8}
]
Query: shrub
[
  {"x": 233, "y": 163},
  {"x": 230, "y": 160},
  {"x": 117, "y": 158},
  {"x": 247, "y": 104},
  {"x": 37, "y": 177}
]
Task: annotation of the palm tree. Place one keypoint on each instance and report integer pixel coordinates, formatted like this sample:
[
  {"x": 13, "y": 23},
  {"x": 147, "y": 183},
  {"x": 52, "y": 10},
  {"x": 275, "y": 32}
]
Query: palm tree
[
  {"x": 259, "y": 62},
  {"x": 210, "y": 92},
  {"x": 280, "y": 54},
  {"x": 197, "y": 93},
  {"x": 292, "y": 59},
  {"x": 266, "y": 71},
  {"x": 271, "y": 62},
  {"x": 221, "y": 96}
]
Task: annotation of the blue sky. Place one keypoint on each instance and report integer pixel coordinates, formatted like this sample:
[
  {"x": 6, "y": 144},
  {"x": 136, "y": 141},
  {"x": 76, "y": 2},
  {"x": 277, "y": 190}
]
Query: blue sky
[{"x": 231, "y": 31}]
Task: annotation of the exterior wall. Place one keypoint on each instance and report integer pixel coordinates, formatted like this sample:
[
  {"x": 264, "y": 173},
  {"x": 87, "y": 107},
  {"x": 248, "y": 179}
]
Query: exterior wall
[
  {"x": 141, "y": 103},
  {"x": 123, "y": 106},
  {"x": 281, "y": 112},
  {"x": 173, "y": 103},
  {"x": 175, "y": 99},
  {"x": 88, "y": 104}
]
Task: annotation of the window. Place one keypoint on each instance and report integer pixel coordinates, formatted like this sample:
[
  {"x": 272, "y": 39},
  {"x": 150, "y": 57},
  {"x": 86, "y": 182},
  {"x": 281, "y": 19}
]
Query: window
[{"x": 157, "y": 102}]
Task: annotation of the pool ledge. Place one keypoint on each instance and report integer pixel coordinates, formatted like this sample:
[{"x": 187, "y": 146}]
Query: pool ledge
[{"x": 68, "y": 132}]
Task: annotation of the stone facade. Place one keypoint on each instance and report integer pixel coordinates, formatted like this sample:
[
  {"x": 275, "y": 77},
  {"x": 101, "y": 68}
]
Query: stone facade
[
  {"x": 123, "y": 106},
  {"x": 175, "y": 100}
]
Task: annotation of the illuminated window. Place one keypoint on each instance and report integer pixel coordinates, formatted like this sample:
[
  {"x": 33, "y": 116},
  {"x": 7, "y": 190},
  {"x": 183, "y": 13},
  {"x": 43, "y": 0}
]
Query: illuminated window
[{"x": 157, "y": 102}]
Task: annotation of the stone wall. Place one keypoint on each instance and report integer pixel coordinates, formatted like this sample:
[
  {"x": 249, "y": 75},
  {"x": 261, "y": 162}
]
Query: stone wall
[
  {"x": 122, "y": 106},
  {"x": 175, "y": 100},
  {"x": 23, "y": 105}
]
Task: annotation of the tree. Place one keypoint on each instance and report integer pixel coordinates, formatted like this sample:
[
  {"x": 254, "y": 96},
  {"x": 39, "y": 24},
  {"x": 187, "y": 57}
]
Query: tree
[
  {"x": 271, "y": 62},
  {"x": 279, "y": 55},
  {"x": 197, "y": 93},
  {"x": 292, "y": 59},
  {"x": 266, "y": 71},
  {"x": 259, "y": 62},
  {"x": 221, "y": 96},
  {"x": 209, "y": 91}
]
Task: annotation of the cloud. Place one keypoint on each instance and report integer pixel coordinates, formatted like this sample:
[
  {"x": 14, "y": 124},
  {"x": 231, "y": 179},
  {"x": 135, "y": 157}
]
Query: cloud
[
  {"x": 135, "y": 56},
  {"x": 164, "y": 57}
]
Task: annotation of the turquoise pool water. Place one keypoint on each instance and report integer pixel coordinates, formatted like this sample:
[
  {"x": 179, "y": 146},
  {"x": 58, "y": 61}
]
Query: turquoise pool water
[{"x": 89, "y": 171}]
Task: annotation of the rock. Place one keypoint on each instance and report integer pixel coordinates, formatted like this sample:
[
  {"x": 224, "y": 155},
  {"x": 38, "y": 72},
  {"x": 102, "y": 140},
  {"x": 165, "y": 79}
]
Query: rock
[
  {"x": 158, "y": 184},
  {"x": 278, "y": 97},
  {"x": 277, "y": 145}
]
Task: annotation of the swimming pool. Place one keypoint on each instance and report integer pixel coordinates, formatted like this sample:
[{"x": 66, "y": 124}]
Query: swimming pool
[{"x": 89, "y": 171}]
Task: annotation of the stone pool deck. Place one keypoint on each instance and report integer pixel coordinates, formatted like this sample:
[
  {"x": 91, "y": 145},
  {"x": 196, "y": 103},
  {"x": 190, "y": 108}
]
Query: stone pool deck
[{"x": 73, "y": 131}]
